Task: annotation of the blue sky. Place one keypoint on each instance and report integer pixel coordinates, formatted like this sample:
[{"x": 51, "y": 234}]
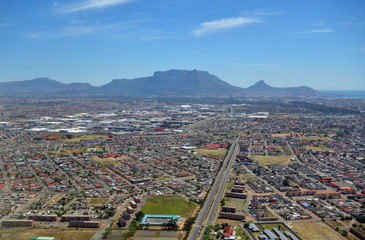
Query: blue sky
[{"x": 318, "y": 43}]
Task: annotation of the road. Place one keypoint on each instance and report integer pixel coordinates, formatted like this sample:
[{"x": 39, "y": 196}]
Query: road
[
  {"x": 219, "y": 184},
  {"x": 222, "y": 186},
  {"x": 99, "y": 234}
]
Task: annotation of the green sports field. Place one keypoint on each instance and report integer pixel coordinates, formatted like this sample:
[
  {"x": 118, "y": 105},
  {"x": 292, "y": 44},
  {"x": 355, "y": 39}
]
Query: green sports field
[{"x": 164, "y": 205}]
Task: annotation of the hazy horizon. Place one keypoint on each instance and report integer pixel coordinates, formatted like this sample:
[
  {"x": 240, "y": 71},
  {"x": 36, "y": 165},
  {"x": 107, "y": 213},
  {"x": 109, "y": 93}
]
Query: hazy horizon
[{"x": 268, "y": 83}]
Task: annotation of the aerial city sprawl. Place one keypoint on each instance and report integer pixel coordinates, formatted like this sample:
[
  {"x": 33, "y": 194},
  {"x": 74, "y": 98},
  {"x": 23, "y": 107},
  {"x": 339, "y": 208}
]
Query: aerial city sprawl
[
  {"x": 115, "y": 167},
  {"x": 182, "y": 120}
]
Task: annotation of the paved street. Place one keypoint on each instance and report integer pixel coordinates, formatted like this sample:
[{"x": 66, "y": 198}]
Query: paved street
[{"x": 214, "y": 194}]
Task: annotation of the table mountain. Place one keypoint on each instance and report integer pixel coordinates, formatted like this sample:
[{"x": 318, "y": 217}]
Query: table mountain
[
  {"x": 192, "y": 83},
  {"x": 173, "y": 82}
]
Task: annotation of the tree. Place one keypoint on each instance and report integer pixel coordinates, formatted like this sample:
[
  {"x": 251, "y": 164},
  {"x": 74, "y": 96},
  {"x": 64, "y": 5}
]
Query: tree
[
  {"x": 189, "y": 223},
  {"x": 344, "y": 233},
  {"x": 139, "y": 215},
  {"x": 217, "y": 227},
  {"x": 223, "y": 202},
  {"x": 286, "y": 182}
]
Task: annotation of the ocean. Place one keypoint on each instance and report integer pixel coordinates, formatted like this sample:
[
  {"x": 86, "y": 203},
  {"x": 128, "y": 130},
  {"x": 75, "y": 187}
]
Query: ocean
[{"x": 352, "y": 94}]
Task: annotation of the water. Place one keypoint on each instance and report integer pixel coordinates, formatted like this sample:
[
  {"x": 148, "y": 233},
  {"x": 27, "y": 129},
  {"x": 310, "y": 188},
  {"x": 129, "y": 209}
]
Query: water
[{"x": 351, "y": 94}]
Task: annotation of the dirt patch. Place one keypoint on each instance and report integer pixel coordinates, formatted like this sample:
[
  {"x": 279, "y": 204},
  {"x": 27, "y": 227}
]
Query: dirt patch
[{"x": 315, "y": 230}]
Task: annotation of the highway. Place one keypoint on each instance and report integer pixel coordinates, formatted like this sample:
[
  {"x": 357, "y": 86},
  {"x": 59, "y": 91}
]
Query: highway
[{"x": 215, "y": 193}]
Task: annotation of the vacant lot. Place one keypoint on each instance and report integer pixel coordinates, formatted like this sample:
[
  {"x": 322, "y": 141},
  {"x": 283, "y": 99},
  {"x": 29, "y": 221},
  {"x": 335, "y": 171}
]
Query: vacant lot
[
  {"x": 98, "y": 201},
  {"x": 280, "y": 135},
  {"x": 277, "y": 148},
  {"x": 59, "y": 234},
  {"x": 55, "y": 198},
  {"x": 282, "y": 116},
  {"x": 318, "y": 231},
  {"x": 321, "y": 148},
  {"x": 269, "y": 160},
  {"x": 216, "y": 152},
  {"x": 169, "y": 206},
  {"x": 105, "y": 161},
  {"x": 78, "y": 138},
  {"x": 75, "y": 150},
  {"x": 317, "y": 137}
]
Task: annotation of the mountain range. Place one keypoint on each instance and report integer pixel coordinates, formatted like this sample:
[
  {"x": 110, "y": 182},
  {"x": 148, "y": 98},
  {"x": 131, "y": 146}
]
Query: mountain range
[{"x": 163, "y": 83}]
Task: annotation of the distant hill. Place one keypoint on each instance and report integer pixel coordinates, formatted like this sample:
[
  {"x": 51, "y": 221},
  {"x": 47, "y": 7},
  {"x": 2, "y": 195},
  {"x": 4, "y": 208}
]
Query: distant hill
[
  {"x": 262, "y": 88},
  {"x": 42, "y": 85},
  {"x": 192, "y": 83}
]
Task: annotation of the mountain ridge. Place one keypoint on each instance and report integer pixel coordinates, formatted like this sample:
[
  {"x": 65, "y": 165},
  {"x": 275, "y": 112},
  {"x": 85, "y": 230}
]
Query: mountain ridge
[{"x": 162, "y": 83}]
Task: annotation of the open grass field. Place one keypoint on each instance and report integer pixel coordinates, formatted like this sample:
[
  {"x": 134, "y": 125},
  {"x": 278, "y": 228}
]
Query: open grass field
[
  {"x": 215, "y": 152},
  {"x": 229, "y": 186},
  {"x": 105, "y": 161},
  {"x": 239, "y": 133},
  {"x": 76, "y": 150},
  {"x": 240, "y": 234},
  {"x": 273, "y": 225},
  {"x": 316, "y": 137},
  {"x": 321, "y": 148},
  {"x": 281, "y": 116},
  {"x": 243, "y": 206},
  {"x": 164, "y": 205},
  {"x": 334, "y": 224},
  {"x": 245, "y": 176},
  {"x": 98, "y": 201},
  {"x": 78, "y": 138},
  {"x": 280, "y": 135},
  {"x": 58, "y": 233},
  {"x": 227, "y": 119},
  {"x": 165, "y": 177},
  {"x": 277, "y": 148},
  {"x": 315, "y": 230},
  {"x": 269, "y": 160},
  {"x": 233, "y": 202}
]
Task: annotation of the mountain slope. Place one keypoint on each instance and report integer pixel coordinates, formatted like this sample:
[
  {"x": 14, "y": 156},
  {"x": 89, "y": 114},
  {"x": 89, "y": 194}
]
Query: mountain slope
[
  {"x": 263, "y": 88},
  {"x": 41, "y": 85},
  {"x": 173, "y": 82},
  {"x": 192, "y": 83}
]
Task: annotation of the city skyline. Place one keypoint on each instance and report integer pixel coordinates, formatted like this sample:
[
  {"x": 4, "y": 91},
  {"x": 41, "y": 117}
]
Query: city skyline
[{"x": 287, "y": 44}]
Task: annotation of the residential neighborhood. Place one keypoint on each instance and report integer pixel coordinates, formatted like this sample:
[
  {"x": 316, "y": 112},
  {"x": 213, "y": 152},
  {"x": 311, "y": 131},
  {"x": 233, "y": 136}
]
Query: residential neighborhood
[{"x": 96, "y": 166}]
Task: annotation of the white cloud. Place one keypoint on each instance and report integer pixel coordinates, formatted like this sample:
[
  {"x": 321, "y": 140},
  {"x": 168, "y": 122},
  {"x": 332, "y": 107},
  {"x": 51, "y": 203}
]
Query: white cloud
[
  {"x": 225, "y": 23},
  {"x": 353, "y": 22},
  {"x": 66, "y": 32},
  {"x": 361, "y": 50},
  {"x": 4, "y": 25},
  {"x": 319, "y": 24},
  {"x": 310, "y": 31},
  {"x": 80, "y": 28},
  {"x": 90, "y": 4}
]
